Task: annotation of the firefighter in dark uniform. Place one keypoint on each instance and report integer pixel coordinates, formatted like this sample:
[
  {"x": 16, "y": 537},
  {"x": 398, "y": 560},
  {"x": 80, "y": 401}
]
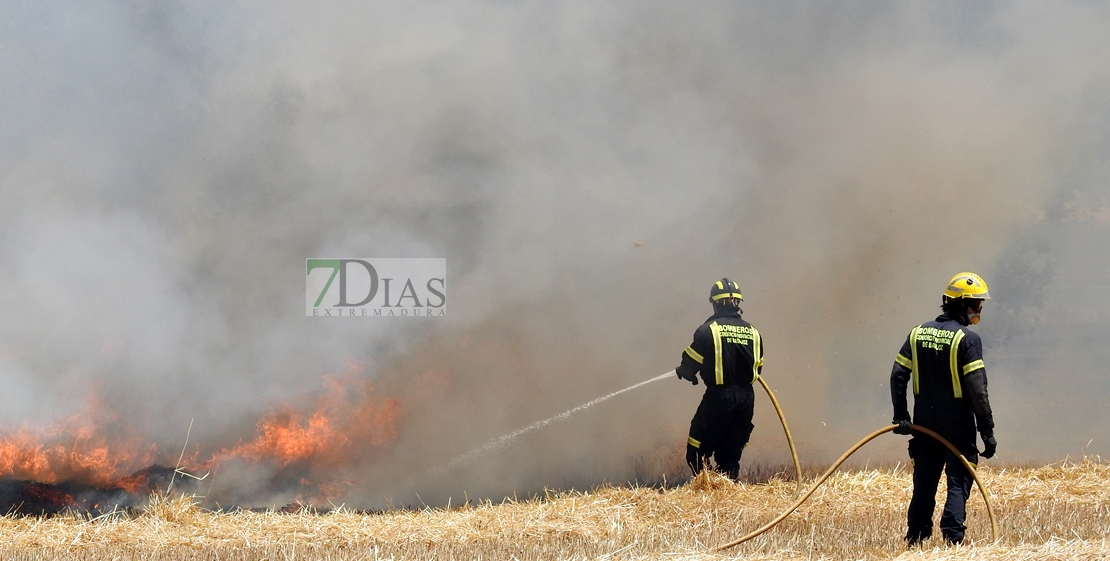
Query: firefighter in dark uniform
[
  {"x": 728, "y": 354},
  {"x": 943, "y": 360}
]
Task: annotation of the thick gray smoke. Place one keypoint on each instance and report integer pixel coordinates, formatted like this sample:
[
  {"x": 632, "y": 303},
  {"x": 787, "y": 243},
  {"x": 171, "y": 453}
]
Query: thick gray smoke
[{"x": 587, "y": 169}]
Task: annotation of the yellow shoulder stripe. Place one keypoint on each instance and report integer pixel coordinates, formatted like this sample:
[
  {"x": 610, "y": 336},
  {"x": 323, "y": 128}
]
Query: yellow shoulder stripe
[
  {"x": 718, "y": 366},
  {"x": 953, "y": 355},
  {"x": 973, "y": 366},
  {"x": 694, "y": 355},
  {"x": 913, "y": 360}
]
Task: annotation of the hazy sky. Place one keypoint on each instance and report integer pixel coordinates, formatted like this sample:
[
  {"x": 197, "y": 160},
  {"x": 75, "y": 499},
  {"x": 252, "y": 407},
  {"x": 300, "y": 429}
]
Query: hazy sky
[{"x": 588, "y": 169}]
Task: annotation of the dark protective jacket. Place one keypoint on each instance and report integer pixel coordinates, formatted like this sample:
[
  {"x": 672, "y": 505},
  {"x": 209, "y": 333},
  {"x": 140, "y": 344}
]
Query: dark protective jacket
[
  {"x": 943, "y": 361},
  {"x": 726, "y": 351}
]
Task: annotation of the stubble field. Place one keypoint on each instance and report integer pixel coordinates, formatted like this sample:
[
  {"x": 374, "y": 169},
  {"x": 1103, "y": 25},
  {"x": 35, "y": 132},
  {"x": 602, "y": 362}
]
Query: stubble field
[{"x": 1059, "y": 511}]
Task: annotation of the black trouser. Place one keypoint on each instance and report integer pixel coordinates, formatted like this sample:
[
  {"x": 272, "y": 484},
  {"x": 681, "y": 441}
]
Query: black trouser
[
  {"x": 930, "y": 457},
  {"x": 721, "y": 428}
]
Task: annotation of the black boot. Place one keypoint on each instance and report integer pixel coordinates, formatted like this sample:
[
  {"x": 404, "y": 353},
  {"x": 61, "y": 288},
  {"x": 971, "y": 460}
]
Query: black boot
[{"x": 914, "y": 539}]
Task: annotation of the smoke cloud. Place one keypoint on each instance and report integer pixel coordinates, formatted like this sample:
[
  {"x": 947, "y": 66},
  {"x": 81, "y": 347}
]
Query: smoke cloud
[{"x": 588, "y": 169}]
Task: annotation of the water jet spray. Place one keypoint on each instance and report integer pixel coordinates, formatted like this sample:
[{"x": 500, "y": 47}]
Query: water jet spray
[{"x": 508, "y": 438}]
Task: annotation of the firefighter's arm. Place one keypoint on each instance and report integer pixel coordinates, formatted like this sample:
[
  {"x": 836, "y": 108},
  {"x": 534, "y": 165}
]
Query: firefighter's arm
[
  {"x": 899, "y": 377},
  {"x": 974, "y": 373},
  {"x": 899, "y": 382},
  {"x": 692, "y": 359},
  {"x": 976, "y": 386}
]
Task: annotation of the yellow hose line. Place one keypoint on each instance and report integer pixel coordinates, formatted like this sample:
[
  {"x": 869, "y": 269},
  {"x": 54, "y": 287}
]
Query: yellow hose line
[
  {"x": 852, "y": 450},
  {"x": 789, "y": 438}
]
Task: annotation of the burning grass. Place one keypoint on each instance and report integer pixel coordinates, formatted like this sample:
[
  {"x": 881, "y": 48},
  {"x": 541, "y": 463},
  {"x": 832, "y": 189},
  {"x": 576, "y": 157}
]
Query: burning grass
[{"x": 1059, "y": 511}]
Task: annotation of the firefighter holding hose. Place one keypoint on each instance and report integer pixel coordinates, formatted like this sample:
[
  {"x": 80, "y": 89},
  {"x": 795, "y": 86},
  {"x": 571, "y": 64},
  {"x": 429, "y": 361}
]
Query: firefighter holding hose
[
  {"x": 943, "y": 360},
  {"x": 728, "y": 354}
]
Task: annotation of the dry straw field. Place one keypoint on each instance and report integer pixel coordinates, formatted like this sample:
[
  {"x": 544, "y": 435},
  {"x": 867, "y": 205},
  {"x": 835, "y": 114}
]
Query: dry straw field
[{"x": 1060, "y": 511}]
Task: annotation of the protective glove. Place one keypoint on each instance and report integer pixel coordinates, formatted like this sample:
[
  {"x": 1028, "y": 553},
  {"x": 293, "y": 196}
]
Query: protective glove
[
  {"x": 903, "y": 426},
  {"x": 989, "y": 446},
  {"x": 693, "y": 379}
]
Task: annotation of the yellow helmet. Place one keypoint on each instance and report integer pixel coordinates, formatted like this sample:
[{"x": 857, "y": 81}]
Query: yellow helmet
[{"x": 967, "y": 285}]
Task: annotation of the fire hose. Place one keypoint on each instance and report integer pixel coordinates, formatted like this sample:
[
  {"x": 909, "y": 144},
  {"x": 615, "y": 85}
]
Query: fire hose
[
  {"x": 789, "y": 438},
  {"x": 852, "y": 450}
]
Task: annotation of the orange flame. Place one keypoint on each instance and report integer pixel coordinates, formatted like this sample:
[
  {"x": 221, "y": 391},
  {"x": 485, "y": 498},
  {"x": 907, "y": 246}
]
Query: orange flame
[
  {"x": 345, "y": 423},
  {"x": 76, "y": 448},
  {"x": 346, "y": 414}
]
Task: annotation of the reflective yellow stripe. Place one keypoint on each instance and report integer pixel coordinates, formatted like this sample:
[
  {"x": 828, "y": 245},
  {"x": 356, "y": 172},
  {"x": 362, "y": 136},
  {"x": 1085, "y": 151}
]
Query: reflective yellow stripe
[
  {"x": 717, "y": 366},
  {"x": 694, "y": 355},
  {"x": 903, "y": 361},
  {"x": 693, "y": 442},
  {"x": 727, "y": 295},
  {"x": 757, "y": 352},
  {"x": 973, "y": 366},
  {"x": 720, "y": 286},
  {"x": 913, "y": 359},
  {"x": 953, "y": 351}
]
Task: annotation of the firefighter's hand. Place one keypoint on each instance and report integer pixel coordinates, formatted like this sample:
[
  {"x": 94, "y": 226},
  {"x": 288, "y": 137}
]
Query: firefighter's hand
[
  {"x": 903, "y": 426},
  {"x": 692, "y": 378},
  {"x": 989, "y": 446}
]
